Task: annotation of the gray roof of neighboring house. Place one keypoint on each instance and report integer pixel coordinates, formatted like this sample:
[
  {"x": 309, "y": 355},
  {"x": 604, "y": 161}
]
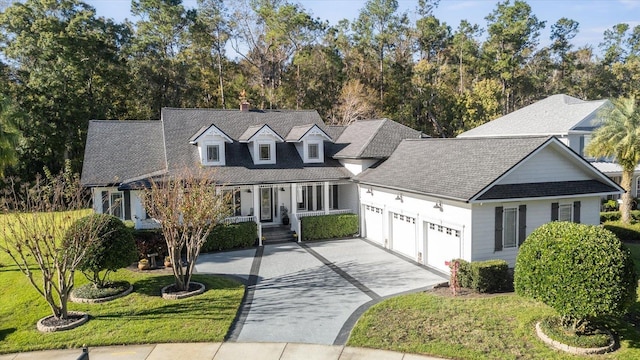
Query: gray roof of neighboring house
[
  {"x": 611, "y": 168},
  {"x": 373, "y": 139},
  {"x": 451, "y": 168},
  {"x": 121, "y": 150},
  {"x": 554, "y": 115}
]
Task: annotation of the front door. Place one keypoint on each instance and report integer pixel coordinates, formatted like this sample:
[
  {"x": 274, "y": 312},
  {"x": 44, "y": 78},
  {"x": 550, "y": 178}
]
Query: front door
[{"x": 266, "y": 204}]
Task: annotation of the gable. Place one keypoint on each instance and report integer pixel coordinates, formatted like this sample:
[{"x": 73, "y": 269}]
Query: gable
[
  {"x": 210, "y": 132},
  {"x": 548, "y": 164}
]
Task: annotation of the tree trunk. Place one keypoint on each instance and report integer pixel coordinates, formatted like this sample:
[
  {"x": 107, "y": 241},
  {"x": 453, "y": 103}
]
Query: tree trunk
[{"x": 625, "y": 209}]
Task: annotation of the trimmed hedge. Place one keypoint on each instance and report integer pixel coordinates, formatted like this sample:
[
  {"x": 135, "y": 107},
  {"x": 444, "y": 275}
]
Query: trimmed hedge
[
  {"x": 489, "y": 276},
  {"x": 329, "y": 226},
  {"x": 615, "y": 215},
  {"x": 582, "y": 271},
  {"x": 231, "y": 236},
  {"x": 624, "y": 232}
]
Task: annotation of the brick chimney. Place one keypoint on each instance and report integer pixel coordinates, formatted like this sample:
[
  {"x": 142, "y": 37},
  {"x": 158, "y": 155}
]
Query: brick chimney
[{"x": 244, "y": 104}]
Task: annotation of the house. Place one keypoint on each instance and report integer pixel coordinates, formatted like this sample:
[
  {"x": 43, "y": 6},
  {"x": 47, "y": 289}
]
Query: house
[
  {"x": 430, "y": 200},
  {"x": 569, "y": 119},
  {"x": 476, "y": 199},
  {"x": 271, "y": 161}
]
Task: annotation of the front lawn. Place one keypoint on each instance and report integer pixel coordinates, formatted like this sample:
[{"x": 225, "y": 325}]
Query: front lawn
[
  {"x": 474, "y": 327},
  {"x": 141, "y": 317}
]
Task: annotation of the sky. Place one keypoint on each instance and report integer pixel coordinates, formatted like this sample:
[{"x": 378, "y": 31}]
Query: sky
[{"x": 594, "y": 16}]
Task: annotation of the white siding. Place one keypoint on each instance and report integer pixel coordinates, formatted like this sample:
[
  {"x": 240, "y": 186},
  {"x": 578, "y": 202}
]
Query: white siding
[
  {"x": 348, "y": 197},
  {"x": 538, "y": 213},
  {"x": 545, "y": 166},
  {"x": 356, "y": 166}
]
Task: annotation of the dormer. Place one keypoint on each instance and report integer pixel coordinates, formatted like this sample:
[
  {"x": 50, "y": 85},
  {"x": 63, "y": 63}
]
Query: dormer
[
  {"x": 309, "y": 141},
  {"x": 211, "y": 145},
  {"x": 261, "y": 140}
]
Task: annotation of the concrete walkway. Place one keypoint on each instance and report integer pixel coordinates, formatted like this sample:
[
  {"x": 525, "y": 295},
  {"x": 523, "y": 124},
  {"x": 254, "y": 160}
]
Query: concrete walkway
[{"x": 219, "y": 351}]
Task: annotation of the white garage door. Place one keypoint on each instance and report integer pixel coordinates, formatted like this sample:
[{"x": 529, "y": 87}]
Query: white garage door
[
  {"x": 443, "y": 244},
  {"x": 403, "y": 230},
  {"x": 373, "y": 224}
]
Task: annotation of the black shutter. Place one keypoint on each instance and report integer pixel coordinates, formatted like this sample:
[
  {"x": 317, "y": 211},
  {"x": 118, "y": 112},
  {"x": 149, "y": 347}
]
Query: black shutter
[
  {"x": 498, "y": 230},
  {"x": 576, "y": 212},
  {"x": 554, "y": 211},
  {"x": 127, "y": 205},
  {"x": 522, "y": 223},
  {"x": 105, "y": 202}
]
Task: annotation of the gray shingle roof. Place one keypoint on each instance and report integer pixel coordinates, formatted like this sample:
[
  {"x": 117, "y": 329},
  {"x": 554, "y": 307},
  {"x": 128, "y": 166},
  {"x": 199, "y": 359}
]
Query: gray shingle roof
[
  {"x": 450, "y": 168},
  {"x": 375, "y": 139},
  {"x": 334, "y": 131},
  {"x": 546, "y": 189},
  {"x": 120, "y": 150},
  {"x": 554, "y": 115}
]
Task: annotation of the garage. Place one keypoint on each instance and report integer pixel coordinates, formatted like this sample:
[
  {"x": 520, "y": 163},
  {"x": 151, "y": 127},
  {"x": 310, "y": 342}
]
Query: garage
[
  {"x": 443, "y": 244},
  {"x": 373, "y": 224},
  {"x": 403, "y": 234}
]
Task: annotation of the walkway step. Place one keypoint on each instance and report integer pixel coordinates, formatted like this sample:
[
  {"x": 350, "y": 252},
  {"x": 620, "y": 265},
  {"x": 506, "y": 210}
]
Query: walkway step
[{"x": 277, "y": 234}]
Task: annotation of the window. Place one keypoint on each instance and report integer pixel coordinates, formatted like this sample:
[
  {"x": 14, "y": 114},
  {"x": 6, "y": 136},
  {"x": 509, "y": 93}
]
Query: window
[
  {"x": 116, "y": 205},
  {"x": 565, "y": 212},
  {"x": 265, "y": 152},
  {"x": 213, "y": 153},
  {"x": 313, "y": 151},
  {"x": 234, "y": 201},
  {"x": 305, "y": 199},
  {"x": 319, "y": 197},
  {"x": 510, "y": 230},
  {"x": 333, "y": 197}
]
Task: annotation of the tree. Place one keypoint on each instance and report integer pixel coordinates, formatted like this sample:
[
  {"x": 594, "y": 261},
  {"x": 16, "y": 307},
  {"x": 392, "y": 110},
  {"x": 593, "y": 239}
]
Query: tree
[
  {"x": 9, "y": 133},
  {"x": 619, "y": 137},
  {"x": 34, "y": 222},
  {"x": 582, "y": 271},
  {"x": 187, "y": 208},
  {"x": 354, "y": 103},
  {"x": 114, "y": 248},
  {"x": 562, "y": 32}
]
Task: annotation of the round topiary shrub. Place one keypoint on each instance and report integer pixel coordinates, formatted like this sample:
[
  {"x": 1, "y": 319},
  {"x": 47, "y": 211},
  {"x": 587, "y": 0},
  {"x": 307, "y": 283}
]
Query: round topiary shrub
[
  {"x": 582, "y": 271},
  {"x": 115, "y": 248}
]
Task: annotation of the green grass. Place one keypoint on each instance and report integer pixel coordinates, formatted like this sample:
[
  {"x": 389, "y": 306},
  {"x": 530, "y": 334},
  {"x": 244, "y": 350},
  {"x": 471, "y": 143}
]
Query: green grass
[
  {"x": 141, "y": 317},
  {"x": 635, "y": 254},
  {"x": 497, "y": 327}
]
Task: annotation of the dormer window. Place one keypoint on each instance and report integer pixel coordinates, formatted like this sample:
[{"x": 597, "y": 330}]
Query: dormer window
[
  {"x": 210, "y": 141},
  {"x": 261, "y": 141},
  {"x": 213, "y": 153},
  {"x": 265, "y": 152},
  {"x": 313, "y": 151},
  {"x": 309, "y": 141}
]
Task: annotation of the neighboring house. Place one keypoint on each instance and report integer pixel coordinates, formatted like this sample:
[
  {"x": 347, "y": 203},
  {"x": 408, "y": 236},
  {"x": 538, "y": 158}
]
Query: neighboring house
[
  {"x": 269, "y": 160},
  {"x": 476, "y": 199},
  {"x": 569, "y": 119}
]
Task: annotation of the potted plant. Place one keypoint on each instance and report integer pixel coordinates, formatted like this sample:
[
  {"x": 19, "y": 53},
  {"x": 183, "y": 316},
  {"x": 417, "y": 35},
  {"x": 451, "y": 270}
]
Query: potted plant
[
  {"x": 284, "y": 214},
  {"x": 167, "y": 261},
  {"x": 143, "y": 264}
]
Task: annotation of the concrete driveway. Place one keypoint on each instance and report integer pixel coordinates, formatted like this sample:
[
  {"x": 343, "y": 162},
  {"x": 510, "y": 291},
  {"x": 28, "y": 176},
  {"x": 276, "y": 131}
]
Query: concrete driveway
[{"x": 313, "y": 292}]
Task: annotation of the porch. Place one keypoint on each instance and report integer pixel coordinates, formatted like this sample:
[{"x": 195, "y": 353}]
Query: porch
[{"x": 285, "y": 204}]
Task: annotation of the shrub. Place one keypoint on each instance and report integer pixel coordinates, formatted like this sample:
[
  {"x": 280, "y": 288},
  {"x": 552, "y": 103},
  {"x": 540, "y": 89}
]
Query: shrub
[
  {"x": 484, "y": 276},
  {"x": 582, "y": 271},
  {"x": 615, "y": 215},
  {"x": 113, "y": 250},
  {"x": 231, "y": 236},
  {"x": 624, "y": 232},
  {"x": 329, "y": 226},
  {"x": 610, "y": 205},
  {"x": 150, "y": 242}
]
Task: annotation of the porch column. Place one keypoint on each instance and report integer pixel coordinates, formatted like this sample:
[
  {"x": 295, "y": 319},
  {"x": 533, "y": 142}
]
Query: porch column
[
  {"x": 325, "y": 197},
  {"x": 255, "y": 191},
  {"x": 294, "y": 210}
]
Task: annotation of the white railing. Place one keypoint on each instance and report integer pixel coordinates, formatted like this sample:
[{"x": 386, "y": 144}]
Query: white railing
[
  {"x": 239, "y": 219},
  {"x": 321, "y": 212}
]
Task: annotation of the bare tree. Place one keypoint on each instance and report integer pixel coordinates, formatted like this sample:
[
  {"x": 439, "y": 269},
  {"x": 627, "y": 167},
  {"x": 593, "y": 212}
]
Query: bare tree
[
  {"x": 35, "y": 224},
  {"x": 355, "y": 103},
  {"x": 187, "y": 207}
]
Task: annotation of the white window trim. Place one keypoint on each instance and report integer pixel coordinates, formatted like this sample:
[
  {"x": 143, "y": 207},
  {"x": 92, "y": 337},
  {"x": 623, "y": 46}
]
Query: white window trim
[
  {"x": 504, "y": 227},
  {"x": 566, "y": 205},
  {"x": 112, "y": 203},
  {"x": 204, "y": 156},
  {"x": 307, "y": 158},
  {"x": 272, "y": 152}
]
